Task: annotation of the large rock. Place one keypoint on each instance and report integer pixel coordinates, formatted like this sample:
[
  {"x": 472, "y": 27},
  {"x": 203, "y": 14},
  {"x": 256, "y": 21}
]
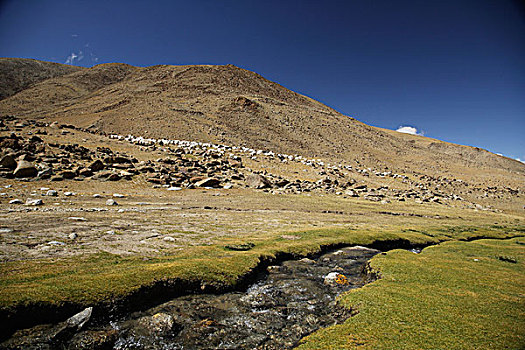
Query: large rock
[
  {"x": 79, "y": 320},
  {"x": 257, "y": 181},
  {"x": 208, "y": 182},
  {"x": 97, "y": 165},
  {"x": 159, "y": 323},
  {"x": 25, "y": 169},
  {"x": 8, "y": 161}
]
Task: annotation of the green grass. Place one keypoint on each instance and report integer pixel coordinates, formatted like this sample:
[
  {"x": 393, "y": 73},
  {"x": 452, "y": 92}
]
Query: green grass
[
  {"x": 100, "y": 277},
  {"x": 456, "y": 295}
]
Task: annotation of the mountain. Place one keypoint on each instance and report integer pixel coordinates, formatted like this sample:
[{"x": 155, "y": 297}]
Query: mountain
[
  {"x": 231, "y": 105},
  {"x": 17, "y": 74}
]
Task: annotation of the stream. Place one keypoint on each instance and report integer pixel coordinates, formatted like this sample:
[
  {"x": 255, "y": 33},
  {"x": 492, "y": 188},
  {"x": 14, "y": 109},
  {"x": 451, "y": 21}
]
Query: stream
[{"x": 291, "y": 300}]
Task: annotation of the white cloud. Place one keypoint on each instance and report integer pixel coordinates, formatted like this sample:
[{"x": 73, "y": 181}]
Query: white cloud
[
  {"x": 71, "y": 58},
  {"x": 409, "y": 130}
]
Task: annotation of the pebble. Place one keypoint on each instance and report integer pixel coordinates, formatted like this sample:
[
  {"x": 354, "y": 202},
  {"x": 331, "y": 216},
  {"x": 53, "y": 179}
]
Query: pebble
[
  {"x": 55, "y": 243},
  {"x": 16, "y": 201},
  {"x": 52, "y": 193},
  {"x": 169, "y": 239},
  {"x": 118, "y": 195},
  {"x": 110, "y": 232},
  {"x": 174, "y": 188},
  {"x": 6, "y": 230},
  {"x": 111, "y": 202},
  {"x": 120, "y": 210},
  {"x": 73, "y": 236},
  {"x": 68, "y": 194},
  {"x": 96, "y": 195}
]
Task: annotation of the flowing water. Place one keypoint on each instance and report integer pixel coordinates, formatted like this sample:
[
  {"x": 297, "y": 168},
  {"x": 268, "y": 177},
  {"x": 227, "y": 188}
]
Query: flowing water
[{"x": 290, "y": 301}]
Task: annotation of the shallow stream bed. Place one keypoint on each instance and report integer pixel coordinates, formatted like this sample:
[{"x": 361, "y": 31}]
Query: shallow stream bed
[{"x": 290, "y": 301}]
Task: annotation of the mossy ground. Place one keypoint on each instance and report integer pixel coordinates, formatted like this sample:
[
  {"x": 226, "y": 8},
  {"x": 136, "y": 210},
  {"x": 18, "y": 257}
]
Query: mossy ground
[
  {"x": 457, "y": 295},
  {"x": 92, "y": 278}
]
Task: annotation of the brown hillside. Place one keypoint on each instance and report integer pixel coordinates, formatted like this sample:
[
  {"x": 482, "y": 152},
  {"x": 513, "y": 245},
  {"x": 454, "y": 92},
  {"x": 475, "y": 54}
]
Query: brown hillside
[
  {"x": 17, "y": 74},
  {"x": 230, "y": 105}
]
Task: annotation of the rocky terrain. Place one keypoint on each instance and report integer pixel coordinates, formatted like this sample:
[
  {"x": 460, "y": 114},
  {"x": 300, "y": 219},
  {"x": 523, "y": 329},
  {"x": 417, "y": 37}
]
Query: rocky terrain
[{"x": 126, "y": 177}]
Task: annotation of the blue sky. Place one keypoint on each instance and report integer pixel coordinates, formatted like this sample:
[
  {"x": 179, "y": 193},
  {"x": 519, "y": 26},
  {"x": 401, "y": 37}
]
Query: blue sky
[{"x": 451, "y": 69}]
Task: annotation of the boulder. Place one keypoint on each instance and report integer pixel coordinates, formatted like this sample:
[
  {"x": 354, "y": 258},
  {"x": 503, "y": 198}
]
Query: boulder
[
  {"x": 25, "y": 169},
  {"x": 257, "y": 181},
  {"x": 209, "y": 182},
  {"x": 68, "y": 174},
  {"x": 8, "y": 161},
  {"x": 97, "y": 165}
]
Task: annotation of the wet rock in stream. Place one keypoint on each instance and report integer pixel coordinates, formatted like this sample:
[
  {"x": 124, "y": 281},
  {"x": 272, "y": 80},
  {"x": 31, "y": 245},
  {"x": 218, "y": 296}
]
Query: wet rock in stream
[{"x": 292, "y": 301}]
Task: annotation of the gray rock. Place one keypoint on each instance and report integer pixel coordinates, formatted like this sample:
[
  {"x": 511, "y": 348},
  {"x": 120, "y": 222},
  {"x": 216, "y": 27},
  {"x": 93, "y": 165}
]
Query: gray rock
[
  {"x": 25, "y": 169},
  {"x": 159, "y": 323},
  {"x": 79, "y": 320},
  {"x": 257, "y": 181}
]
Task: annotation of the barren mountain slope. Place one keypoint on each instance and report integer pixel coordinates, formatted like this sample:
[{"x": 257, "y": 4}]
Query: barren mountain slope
[
  {"x": 17, "y": 74},
  {"x": 230, "y": 105}
]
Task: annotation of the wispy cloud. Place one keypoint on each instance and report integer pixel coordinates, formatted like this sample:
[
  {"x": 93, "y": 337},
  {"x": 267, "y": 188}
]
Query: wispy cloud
[
  {"x": 85, "y": 54},
  {"x": 406, "y": 129},
  {"x": 71, "y": 58}
]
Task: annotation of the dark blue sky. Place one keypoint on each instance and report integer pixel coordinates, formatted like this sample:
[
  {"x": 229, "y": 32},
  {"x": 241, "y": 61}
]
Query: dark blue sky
[{"x": 453, "y": 69}]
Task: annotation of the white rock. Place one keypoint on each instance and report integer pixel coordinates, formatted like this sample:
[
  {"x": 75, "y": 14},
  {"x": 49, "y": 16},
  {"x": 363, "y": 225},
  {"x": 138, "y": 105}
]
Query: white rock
[
  {"x": 169, "y": 239},
  {"x": 15, "y": 201},
  {"x": 52, "y": 193},
  {"x": 68, "y": 194},
  {"x": 118, "y": 195},
  {"x": 96, "y": 195},
  {"x": 77, "y": 218},
  {"x": 335, "y": 279},
  {"x": 111, "y": 202},
  {"x": 174, "y": 188},
  {"x": 34, "y": 202}
]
